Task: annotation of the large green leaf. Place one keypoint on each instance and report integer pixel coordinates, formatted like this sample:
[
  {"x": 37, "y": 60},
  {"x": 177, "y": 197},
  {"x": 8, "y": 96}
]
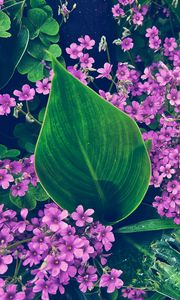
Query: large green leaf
[
  {"x": 90, "y": 152},
  {"x": 9, "y": 59}
]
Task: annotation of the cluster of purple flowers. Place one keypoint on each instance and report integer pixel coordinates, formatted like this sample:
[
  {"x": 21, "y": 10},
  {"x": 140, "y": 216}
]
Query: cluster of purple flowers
[
  {"x": 135, "y": 15},
  {"x": 25, "y": 94},
  {"x": 133, "y": 294},
  {"x": 19, "y": 174},
  {"x": 54, "y": 249}
]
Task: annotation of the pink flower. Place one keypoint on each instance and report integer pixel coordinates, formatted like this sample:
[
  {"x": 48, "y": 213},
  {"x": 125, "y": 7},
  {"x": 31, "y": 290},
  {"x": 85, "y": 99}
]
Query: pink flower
[
  {"x": 5, "y": 178},
  {"x": 86, "y": 61},
  {"x": 11, "y": 293},
  {"x": 78, "y": 74},
  {"x": 82, "y": 217},
  {"x": 6, "y": 102},
  {"x": 43, "y": 87},
  {"x": 111, "y": 281},
  {"x": 75, "y": 51},
  {"x": 127, "y": 44},
  {"x": 167, "y": 171},
  {"x": 152, "y": 32},
  {"x": 117, "y": 11},
  {"x": 170, "y": 44},
  {"x": 138, "y": 18},
  {"x": 135, "y": 110},
  {"x": 164, "y": 76},
  {"x": 86, "y": 42},
  {"x": 45, "y": 287},
  {"x": 106, "y": 236},
  {"x": 154, "y": 43},
  {"x": 26, "y": 94},
  {"x": 4, "y": 261},
  {"x": 105, "y": 72},
  {"x": 174, "y": 97},
  {"x": 86, "y": 278},
  {"x": 20, "y": 188},
  {"x": 54, "y": 218}
]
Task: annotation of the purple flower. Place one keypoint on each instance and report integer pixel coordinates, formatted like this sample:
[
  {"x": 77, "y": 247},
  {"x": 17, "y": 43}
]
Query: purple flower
[
  {"x": 105, "y": 71},
  {"x": 43, "y": 87},
  {"x": 167, "y": 171},
  {"x": 15, "y": 167},
  {"x": 78, "y": 74},
  {"x": 155, "y": 43},
  {"x": 74, "y": 51},
  {"x": 56, "y": 263},
  {"x": 164, "y": 76},
  {"x": 152, "y": 32},
  {"x": 127, "y": 44},
  {"x": 6, "y": 102},
  {"x": 82, "y": 217},
  {"x": 86, "y": 61},
  {"x": 53, "y": 218},
  {"x": 86, "y": 278},
  {"x": 111, "y": 281},
  {"x": 106, "y": 236},
  {"x": 40, "y": 240},
  {"x": 174, "y": 97},
  {"x": 117, "y": 11},
  {"x": 170, "y": 44},
  {"x": 26, "y": 94},
  {"x": 138, "y": 19},
  {"x": 5, "y": 178},
  {"x": 32, "y": 257},
  {"x": 5, "y": 237},
  {"x": 20, "y": 188},
  {"x": 45, "y": 287},
  {"x": 4, "y": 261},
  {"x": 11, "y": 293},
  {"x": 71, "y": 246},
  {"x": 86, "y": 42},
  {"x": 135, "y": 111}
]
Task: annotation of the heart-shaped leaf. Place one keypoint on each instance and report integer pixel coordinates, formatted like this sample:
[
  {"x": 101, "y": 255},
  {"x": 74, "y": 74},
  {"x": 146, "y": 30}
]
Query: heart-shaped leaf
[
  {"x": 90, "y": 152},
  {"x": 5, "y": 24}
]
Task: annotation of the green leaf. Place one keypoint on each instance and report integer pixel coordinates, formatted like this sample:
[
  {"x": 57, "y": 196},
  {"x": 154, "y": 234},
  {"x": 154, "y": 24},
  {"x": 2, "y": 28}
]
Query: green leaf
[
  {"x": 50, "y": 27},
  {"x": 55, "y": 50},
  {"x": 5, "y": 24},
  {"x": 94, "y": 152},
  {"x": 157, "y": 296},
  {"x": 12, "y": 153},
  {"x": 9, "y": 59},
  {"x": 37, "y": 73},
  {"x": 27, "y": 64},
  {"x": 3, "y": 150},
  {"x": 149, "y": 225},
  {"x": 149, "y": 262},
  {"x": 37, "y": 17},
  {"x": 26, "y": 133},
  {"x": 37, "y": 3},
  {"x": 36, "y": 49}
]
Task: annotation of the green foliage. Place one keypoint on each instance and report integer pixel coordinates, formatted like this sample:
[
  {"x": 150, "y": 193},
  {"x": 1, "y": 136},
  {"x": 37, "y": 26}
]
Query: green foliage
[
  {"x": 43, "y": 37},
  {"x": 5, "y": 153},
  {"x": 97, "y": 162},
  {"x": 152, "y": 263},
  {"x": 29, "y": 201},
  {"x": 26, "y": 135},
  {"x": 149, "y": 225},
  {"x": 5, "y": 24},
  {"x": 9, "y": 59}
]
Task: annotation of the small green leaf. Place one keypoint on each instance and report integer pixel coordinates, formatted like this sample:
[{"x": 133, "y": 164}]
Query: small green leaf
[
  {"x": 37, "y": 17},
  {"x": 36, "y": 49},
  {"x": 50, "y": 27},
  {"x": 53, "y": 49},
  {"x": 37, "y": 3},
  {"x": 3, "y": 150},
  {"x": 149, "y": 225},
  {"x": 5, "y": 24},
  {"x": 37, "y": 73},
  {"x": 28, "y": 201},
  {"x": 12, "y": 153},
  {"x": 95, "y": 152},
  {"x": 27, "y": 64}
]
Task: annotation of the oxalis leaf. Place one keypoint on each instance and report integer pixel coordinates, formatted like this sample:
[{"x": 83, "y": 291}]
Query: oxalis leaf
[{"x": 89, "y": 152}]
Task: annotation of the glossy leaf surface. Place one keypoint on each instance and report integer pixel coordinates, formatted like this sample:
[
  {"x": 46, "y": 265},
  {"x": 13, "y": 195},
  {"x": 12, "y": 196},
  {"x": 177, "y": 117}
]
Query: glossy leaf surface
[{"x": 90, "y": 152}]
